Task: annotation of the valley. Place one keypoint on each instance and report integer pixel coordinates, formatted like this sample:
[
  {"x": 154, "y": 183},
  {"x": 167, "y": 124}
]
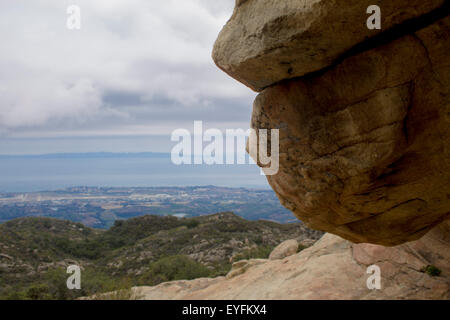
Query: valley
[
  {"x": 101, "y": 207},
  {"x": 147, "y": 250}
]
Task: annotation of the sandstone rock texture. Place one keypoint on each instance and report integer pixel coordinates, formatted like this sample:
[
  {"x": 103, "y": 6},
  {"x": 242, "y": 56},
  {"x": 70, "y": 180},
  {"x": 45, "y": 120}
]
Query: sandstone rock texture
[
  {"x": 364, "y": 141},
  {"x": 242, "y": 266},
  {"x": 331, "y": 269},
  {"x": 266, "y": 41},
  {"x": 286, "y": 249}
]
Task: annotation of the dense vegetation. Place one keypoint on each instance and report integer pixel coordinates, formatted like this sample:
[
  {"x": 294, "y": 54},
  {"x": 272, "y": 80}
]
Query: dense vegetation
[{"x": 148, "y": 250}]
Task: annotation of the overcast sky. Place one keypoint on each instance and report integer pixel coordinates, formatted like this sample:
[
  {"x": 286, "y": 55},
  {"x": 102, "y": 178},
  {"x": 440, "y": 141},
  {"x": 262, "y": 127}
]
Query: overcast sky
[{"x": 137, "y": 70}]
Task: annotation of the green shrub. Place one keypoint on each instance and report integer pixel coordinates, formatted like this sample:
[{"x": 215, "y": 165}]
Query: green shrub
[
  {"x": 52, "y": 286},
  {"x": 191, "y": 224},
  {"x": 38, "y": 292},
  {"x": 15, "y": 295},
  {"x": 431, "y": 271},
  {"x": 254, "y": 253},
  {"x": 174, "y": 268},
  {"x": 117, "y": 290}
]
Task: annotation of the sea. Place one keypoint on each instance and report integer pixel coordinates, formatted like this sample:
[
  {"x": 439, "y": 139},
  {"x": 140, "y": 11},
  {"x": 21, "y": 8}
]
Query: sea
[{"x": 58, "y": 171}]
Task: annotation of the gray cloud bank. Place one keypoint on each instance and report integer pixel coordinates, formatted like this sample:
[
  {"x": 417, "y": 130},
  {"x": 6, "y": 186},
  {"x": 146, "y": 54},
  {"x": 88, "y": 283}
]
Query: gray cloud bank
[{"x": 136, "y": 68}]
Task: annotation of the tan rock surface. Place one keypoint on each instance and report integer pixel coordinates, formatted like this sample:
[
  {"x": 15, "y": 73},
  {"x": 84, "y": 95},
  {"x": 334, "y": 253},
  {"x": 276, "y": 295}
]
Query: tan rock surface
[
  {"x": 331, "y": 269},
  {"x": 364, "y": 146},
  {"x": 267, "y": 41},
  {"x": 242, "y": 266},
  {"x": 285, "y": 249}
]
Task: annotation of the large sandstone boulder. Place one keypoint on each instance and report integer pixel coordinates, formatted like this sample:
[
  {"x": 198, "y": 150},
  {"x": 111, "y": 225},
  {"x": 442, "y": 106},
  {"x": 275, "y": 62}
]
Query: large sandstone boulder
[
  {"x": 364, "y": 140},
  {"x": 331, "y": 269},
  {"x": 267, "y": 41},
  {"x": 364, "y": 145}
]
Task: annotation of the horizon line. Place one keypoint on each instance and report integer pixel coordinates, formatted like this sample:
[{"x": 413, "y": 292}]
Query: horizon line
[{"x": 84, "y": 153}]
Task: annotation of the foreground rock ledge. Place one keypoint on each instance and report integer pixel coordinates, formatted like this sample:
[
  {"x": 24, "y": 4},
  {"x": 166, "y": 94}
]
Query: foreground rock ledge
[
  {"x": 267, "y": 41},
  {"x": 331, "y": 269}
]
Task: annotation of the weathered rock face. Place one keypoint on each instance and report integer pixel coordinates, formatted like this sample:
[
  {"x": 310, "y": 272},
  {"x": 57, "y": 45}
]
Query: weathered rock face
[
  {"x": 331, "y": 269},
  {"x": 285, "y": 249},
  {"x": 364, "y": 147},
  {"x": 266, "y": 41},
  {"x": 364, "y": 143},
  {"x": 242, "y": 266}
]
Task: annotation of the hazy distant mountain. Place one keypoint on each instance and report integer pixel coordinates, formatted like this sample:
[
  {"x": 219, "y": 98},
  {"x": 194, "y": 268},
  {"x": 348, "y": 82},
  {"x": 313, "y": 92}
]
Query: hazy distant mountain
[{"x": 90, "y": 155}]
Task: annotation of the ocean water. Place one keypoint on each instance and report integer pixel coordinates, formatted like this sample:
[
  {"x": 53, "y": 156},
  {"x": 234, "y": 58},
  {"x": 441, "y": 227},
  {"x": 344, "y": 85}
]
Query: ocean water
[{"x": 46, "y": 173}]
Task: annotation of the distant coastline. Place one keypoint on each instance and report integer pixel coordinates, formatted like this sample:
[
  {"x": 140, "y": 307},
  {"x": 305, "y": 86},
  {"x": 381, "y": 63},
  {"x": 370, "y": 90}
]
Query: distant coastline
[
  {"x": 33, "y": 173},
  {"x": 80, "y": 188},
  {"x": 101, "y": 207}
]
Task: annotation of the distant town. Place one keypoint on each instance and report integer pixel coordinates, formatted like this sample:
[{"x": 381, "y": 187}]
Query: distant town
[{"x": 101, "y": 207}]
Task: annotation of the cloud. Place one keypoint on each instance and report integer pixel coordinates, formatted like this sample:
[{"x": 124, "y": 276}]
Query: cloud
[{"x": 134, "y": 64}]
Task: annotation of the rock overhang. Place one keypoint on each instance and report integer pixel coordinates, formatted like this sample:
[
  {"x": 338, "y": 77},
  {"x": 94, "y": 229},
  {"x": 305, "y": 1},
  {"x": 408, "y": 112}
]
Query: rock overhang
[{"x": 364, "y": 142}]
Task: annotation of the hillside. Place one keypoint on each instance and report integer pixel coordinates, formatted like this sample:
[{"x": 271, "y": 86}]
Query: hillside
[
  {"x": 34, "y": 241},
  {"x": 34, "y": 252}
]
